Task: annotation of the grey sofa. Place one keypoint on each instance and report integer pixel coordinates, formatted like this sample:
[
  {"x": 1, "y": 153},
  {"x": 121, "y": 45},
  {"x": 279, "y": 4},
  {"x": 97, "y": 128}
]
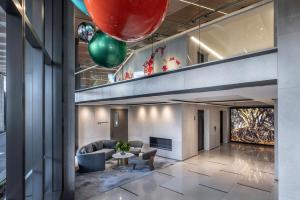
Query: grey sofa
[
  {"x": 135, "y": 147},
  {"x": 92, "y": 157},
  {"x": 146, "y": 159}
]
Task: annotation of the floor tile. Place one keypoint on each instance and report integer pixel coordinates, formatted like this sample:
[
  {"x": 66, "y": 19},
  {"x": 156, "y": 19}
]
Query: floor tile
[
  {"x": 204, "y": 193},
  {"x": 161, "y": 194},
  {"x": 146, "y": 184},
  {"x": 258, "y": 180},
  {"x": 222, "y": 181},
  {"x": 182, "y": 184},
  {"x": 115, "y": 194},
  {"x": 178, "y": 169},
  {"x": 206, "y": 168},
  {"x": 240, "y": 192}
]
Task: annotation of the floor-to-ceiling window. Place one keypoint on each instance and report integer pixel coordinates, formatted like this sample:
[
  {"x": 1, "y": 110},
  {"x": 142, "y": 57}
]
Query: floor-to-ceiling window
[
  {"x": 38, "y": 100},
  {"x": 2, "y": 101}
]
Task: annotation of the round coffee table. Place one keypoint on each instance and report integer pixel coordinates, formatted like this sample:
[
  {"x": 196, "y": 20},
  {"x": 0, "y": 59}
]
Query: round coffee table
[{"x": 122, "y": 159}]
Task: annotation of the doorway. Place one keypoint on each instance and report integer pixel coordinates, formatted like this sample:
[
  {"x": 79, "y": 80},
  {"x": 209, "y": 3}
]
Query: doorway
[
  {"x": 221, "y": 127},
  {"x": 119, "y": 124},
  {"x": 200, "y": 130}
]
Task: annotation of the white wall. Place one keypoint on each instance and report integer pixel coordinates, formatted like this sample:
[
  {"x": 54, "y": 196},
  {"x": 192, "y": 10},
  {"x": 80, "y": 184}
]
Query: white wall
[
  {"x": 162, "y": 121},
  {"x": 88, "y": 128},
  {"x": 214, "y": 128},
  {"x": 189, "y": 131},
  {"x": 226, "y": 125},
  {"x": 178, "y": 122},
  {"x": 211, "y": 135}
]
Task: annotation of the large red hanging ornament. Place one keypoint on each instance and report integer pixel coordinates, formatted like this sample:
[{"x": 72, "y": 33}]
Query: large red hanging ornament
[{"x": 127, "y": 20}]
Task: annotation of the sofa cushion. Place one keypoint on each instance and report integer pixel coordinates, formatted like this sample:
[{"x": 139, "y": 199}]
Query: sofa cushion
[
  {"x": 108, "y": 153},
  {"x": 146, "y": 148},
  {"x": 81, "y": 151},
  {"x": 89, "y": 148},
  {"x": 135, "y": 151},
  {"x": 136, "y": 144},
  {"x": 109, "y": 144},
  {"x": 98, "y": 145}
]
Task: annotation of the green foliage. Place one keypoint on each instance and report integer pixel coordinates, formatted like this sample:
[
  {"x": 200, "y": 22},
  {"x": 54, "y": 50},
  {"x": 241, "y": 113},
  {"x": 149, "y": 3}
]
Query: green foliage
[{"x": 122, "y": 146}]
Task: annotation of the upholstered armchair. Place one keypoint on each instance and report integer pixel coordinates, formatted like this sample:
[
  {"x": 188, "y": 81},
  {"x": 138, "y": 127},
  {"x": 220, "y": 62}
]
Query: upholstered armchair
[{"x": 147, "y": 158}]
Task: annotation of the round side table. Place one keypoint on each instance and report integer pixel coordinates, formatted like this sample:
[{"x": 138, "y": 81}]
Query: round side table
[{"x": 122, "y": 159}]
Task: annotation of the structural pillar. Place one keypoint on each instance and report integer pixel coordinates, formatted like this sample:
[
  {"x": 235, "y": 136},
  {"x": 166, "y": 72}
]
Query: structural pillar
[{"x": 288, "y": 40}]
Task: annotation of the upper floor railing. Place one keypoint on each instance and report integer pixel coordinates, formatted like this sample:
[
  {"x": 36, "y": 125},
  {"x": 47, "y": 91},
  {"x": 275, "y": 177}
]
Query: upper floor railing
[{"x": 246, "y": 31}]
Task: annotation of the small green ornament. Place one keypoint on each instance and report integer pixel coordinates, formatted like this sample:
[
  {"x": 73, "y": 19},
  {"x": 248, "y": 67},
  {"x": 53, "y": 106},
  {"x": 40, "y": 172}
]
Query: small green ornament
[{"x": 107, "y": 51}]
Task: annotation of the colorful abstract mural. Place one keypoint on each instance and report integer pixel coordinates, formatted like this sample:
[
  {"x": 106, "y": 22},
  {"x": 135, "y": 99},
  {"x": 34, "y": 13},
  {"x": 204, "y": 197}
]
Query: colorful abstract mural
[
  {"x": 159, "y": 60},
  {"x": 252, "y": 125}
]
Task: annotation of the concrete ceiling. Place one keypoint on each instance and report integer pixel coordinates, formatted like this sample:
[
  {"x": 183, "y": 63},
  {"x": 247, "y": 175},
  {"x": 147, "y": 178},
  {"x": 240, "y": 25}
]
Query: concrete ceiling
[{"x": 250, "y": 96}]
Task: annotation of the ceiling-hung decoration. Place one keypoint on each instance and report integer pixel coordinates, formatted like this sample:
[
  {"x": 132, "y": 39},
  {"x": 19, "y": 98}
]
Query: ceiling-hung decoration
[
  {"x": 81, "y": 6},
  {"x": 107, "y": 51},
  {"x": 85, "y": 31},
  {"x": 127, "y": 20}
]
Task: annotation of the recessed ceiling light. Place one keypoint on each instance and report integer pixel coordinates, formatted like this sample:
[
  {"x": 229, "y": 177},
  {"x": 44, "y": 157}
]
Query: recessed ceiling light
[
  {"x": 201, "y": 6},
  {"x": 1, "y": 153}
]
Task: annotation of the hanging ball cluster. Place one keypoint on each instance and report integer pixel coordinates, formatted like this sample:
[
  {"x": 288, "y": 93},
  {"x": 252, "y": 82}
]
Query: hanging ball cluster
[
  {"x": 106, "y": 51},
  {"x": 85, "y": 31},
  {"x": 127, "y": 20},
  {"x": 81, "y": 6},
  {"x": 118, "y": 21}
]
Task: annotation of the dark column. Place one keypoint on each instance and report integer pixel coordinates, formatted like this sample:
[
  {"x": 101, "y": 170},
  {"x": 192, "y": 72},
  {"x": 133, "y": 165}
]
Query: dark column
[
  {"x": 15, "y": 108},
  {"x": 68, "y": 100}
]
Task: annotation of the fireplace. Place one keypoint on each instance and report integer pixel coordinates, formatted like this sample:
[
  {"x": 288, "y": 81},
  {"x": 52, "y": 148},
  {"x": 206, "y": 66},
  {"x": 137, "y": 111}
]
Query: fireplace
[{"x": 161, "y": 143}]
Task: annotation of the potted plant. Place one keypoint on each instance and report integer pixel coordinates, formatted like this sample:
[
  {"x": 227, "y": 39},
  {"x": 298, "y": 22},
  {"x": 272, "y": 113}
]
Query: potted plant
[{"x": 122, "y": 147}]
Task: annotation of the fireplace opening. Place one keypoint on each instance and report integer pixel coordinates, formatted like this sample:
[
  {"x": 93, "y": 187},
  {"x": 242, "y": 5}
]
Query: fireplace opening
[{"x": 161, "y": 143}]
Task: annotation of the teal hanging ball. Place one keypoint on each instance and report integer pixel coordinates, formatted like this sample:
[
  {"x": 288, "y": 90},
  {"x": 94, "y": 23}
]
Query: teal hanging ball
[
  {"x": 107, "y": 51},
  {"x": 81, "y": 6}
]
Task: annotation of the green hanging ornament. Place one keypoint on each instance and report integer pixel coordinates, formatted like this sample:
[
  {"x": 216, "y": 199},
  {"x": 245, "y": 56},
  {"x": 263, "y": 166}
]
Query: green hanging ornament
[{"x": 107, "y": 51}]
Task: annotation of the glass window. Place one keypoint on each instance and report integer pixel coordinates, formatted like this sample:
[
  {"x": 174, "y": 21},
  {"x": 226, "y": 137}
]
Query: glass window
[
  {"x": 241, "y": 34},
  {"x": 2, "y": 101}
]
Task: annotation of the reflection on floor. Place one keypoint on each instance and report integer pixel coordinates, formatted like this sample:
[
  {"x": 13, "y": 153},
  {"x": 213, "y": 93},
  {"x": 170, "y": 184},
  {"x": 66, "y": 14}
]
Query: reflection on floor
[{"x": 231, "y": 172}]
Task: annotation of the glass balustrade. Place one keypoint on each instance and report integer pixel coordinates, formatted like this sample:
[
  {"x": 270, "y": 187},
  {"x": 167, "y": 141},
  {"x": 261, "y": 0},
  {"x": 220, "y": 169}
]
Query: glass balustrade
[{"x": 243, "y": 32}]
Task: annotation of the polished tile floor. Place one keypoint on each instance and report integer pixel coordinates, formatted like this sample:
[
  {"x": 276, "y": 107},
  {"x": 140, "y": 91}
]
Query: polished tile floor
[{"x": 230, "y": 172}]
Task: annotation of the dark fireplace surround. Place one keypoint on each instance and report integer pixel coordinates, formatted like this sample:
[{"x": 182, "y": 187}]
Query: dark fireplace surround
[{"x": 161, "y": 143}]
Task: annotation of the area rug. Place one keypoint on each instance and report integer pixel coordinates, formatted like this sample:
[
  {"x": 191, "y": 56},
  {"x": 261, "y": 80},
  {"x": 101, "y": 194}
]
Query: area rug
[{"x": 95, "y": 183}]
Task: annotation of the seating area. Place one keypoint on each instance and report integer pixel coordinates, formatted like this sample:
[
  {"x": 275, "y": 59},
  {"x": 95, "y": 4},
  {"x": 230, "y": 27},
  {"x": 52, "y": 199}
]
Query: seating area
[{"x": 93, "y": 157}]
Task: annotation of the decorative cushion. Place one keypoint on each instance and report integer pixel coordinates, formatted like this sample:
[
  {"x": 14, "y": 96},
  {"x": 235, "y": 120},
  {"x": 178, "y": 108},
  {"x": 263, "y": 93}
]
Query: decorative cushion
[{"x": 98, "y": 145}]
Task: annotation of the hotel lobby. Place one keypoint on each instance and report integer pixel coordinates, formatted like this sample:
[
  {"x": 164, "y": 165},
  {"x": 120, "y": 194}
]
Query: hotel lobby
[{"x": 149, "y": 99}]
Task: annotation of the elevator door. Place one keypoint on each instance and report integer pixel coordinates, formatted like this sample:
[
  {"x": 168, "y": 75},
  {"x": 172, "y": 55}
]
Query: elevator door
[
  {"x": 200, "y": 130},
  {"x": 221, "y": 127}
]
